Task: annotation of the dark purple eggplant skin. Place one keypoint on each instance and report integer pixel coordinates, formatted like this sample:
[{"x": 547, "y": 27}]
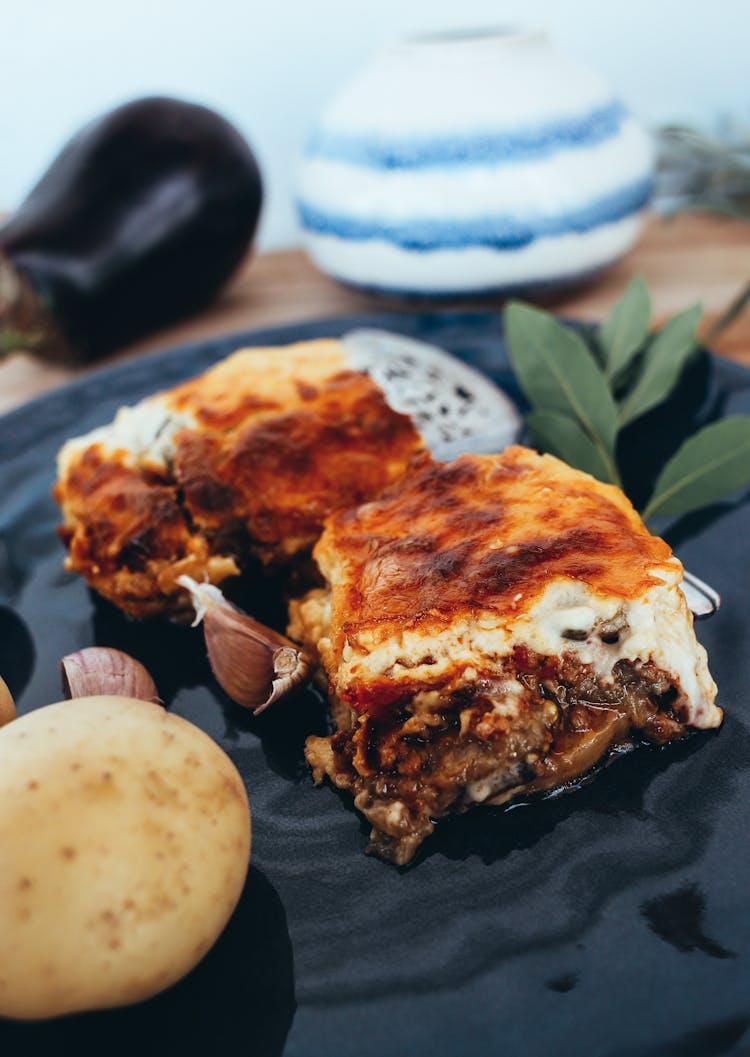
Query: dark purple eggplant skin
[{"x": 140, "y": 220}]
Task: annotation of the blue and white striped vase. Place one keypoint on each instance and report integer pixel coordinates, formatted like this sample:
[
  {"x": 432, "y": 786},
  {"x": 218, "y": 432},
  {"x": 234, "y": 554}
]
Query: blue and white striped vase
[{"x": 464, "y": 163}]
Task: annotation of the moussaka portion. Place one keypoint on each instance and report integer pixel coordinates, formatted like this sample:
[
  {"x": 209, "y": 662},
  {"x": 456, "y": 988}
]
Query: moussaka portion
[
  {"x": 490, "y": 627},
  {"x": 244, "y": 462}
]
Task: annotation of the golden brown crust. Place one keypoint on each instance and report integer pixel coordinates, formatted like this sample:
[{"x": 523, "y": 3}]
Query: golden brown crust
[
  {"x": 127, "y": 534},
  {"x": 484, "y": 533},
  {"x": 281, "y": 475},
  {"x": 280, "y": 439}
]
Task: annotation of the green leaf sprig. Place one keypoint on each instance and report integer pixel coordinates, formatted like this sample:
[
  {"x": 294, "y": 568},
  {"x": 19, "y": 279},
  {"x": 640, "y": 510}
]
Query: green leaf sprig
[{"x": 582, "y": 397}]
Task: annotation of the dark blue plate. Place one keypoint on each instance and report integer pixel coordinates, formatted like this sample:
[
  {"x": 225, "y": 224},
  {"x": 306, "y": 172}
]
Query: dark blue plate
[{"x": 612, "y": 922}]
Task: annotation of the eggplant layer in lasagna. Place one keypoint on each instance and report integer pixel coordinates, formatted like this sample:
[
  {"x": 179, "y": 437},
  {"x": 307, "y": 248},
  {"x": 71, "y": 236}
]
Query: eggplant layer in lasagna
[
  {"x": 245, "y": 461},
  {"x": 491, "y": 627}
]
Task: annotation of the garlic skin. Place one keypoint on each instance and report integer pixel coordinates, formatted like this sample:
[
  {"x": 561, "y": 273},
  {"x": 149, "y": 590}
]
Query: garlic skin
[
  {"x": 7, "y": 704},
  {"x": 253, "y": 664},
  {"x": 99, "y": 670}
]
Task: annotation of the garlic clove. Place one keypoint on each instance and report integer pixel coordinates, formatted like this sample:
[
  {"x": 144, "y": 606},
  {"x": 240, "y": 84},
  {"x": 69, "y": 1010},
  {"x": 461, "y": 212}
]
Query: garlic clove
[
  {"x": 254, "y": 664},
  {"x": 7, "y": 704},
  {"x": 101, "y": 670}
]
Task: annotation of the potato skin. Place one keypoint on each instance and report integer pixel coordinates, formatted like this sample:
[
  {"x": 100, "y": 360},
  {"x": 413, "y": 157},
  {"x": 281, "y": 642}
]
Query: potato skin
[{"x": 124, "y": 846}]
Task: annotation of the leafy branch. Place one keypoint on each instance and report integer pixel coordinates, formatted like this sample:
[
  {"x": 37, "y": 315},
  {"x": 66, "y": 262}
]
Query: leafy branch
[
  {"x": 583, "y": 396},
  {"x": 702, "y": 170}
]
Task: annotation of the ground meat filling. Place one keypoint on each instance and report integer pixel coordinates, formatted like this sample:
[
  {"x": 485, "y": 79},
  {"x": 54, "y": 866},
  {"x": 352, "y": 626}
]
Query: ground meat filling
[{"x": 538, "y": 725}]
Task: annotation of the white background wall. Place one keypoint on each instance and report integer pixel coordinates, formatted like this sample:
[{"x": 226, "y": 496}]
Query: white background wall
[{"x": 270, "y": 65}]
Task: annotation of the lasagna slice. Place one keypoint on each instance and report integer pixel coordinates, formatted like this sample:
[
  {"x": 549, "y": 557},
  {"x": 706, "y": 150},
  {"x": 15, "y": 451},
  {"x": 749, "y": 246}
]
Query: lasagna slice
[
  {"x": 242, "y": 463},
  {"x": 491, "y": 627}
]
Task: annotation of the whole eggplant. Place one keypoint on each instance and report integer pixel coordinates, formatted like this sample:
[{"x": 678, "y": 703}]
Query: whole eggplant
[{"x": 139, "y": 220}]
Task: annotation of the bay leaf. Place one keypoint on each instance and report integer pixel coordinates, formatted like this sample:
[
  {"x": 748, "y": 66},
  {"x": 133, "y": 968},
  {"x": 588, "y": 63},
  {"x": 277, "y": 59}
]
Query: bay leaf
[
  {"x": 562, "y": 436},
  {"x": 664, "y": 361},
  {"x": 626, "y": 329},
  {"x": 557, "y": 372},
  {"x": 710, "y": 465}
]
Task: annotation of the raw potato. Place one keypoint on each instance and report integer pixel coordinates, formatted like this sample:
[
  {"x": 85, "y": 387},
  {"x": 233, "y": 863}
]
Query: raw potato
[
  {"x": 124, "y": 846},
  {"x": 7, "y": 705}
]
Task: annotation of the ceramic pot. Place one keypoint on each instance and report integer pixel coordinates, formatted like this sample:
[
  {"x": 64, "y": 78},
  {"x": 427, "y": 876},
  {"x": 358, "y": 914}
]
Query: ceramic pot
[{"x": 465, "y": 163}]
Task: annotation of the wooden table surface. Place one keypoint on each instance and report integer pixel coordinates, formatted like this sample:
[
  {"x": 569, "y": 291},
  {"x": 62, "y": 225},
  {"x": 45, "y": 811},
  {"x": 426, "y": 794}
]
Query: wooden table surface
[{"x": 691, "y": 258}]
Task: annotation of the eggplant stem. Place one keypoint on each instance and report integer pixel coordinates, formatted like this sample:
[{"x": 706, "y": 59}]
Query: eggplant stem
[{"x": 26, "y": 324}]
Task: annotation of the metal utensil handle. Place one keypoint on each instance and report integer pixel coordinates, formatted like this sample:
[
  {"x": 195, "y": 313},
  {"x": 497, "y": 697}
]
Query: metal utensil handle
[{"x": 701, "y": 598}]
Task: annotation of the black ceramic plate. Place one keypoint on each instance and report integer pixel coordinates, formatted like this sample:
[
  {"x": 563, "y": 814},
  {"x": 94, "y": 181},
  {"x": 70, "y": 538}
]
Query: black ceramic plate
[{"x": 614, "y": 922}]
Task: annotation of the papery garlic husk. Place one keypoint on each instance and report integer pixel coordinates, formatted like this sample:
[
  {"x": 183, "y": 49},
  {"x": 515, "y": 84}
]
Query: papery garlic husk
[
  {"x": 252, "y": 663},
  {"x": 7, "y": 704},
  {"x": 102, "y": 670}
]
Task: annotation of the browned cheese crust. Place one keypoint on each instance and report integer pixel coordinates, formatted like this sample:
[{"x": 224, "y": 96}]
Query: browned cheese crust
[
  {"x": 277, "y": 440},
  {"x": 484, "y": 534}
]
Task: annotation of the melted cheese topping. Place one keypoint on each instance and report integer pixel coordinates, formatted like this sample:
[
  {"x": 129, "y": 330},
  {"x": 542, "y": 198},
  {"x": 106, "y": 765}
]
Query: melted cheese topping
[
  {"x": 143, "y": 434},
  {"x": 245, "y": 461},
  {"x": 457, "y": 566},
  {"x": 251, "y": 383}
]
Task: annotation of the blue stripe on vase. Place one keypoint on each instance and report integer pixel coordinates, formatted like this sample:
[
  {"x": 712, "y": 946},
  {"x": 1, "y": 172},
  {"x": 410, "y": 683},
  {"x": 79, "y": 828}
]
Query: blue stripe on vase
[
  {"x": 493, "y": 232},
  {"x": 480, "y": 148}
]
